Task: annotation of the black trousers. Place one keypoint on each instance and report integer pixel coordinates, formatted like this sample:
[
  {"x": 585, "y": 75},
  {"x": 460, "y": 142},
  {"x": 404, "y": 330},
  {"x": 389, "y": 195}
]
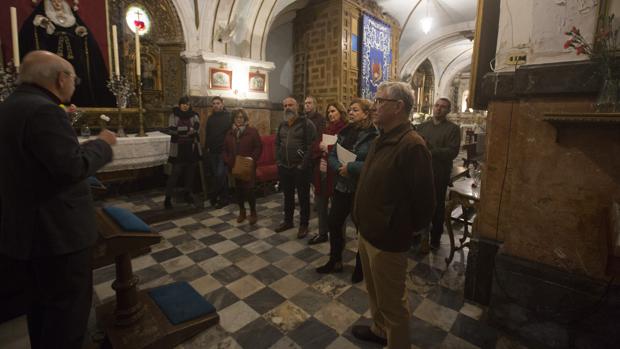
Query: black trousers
[
  {"x": 59, "y": 291},
  {"x": 244, "y": 194},
  {"x": 441, "y": 186},
  {"x": 292, "y": 179},
  {"x": 179, "y": 169},
  {"x": 342, "y": 203}
]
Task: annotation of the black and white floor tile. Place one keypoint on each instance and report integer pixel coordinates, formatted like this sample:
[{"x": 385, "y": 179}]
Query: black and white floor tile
[{"x": 268, "y": 295}]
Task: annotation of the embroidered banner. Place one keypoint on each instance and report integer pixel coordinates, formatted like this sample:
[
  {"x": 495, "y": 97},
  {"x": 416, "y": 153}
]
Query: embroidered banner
[{"x": 376, "y": 55}]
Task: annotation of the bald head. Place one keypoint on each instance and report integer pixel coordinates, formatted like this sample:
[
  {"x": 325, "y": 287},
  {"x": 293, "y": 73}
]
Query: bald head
[{"x": 49, "y": 71}]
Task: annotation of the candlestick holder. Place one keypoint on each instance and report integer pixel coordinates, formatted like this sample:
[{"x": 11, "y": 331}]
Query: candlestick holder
[
  {"x": 8, "y": 79},
  {"x": 141, "y": 132},
  {"x": 121, "y": 89}
]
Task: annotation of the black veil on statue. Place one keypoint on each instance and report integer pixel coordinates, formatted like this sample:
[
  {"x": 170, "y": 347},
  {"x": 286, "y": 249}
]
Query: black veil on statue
[{"x": 75, "y": 44}]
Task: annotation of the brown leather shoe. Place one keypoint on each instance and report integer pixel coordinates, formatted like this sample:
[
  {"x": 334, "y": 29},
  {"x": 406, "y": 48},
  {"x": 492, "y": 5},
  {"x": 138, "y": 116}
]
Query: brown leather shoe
[
  {"x": 284, "y": 226},
  {"x": 302, "y": 232},
  {"x": 241, "y": 217},
  {"x": 253, "y": 218}
]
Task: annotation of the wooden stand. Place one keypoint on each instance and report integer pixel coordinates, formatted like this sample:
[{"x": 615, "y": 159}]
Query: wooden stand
[{"x": 134, "y": 321}]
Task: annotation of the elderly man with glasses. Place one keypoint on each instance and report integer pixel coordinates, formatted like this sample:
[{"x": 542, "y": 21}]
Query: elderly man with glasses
[
  {"x": 48, "y": 218},
  {"x": 395, "y": 197}
]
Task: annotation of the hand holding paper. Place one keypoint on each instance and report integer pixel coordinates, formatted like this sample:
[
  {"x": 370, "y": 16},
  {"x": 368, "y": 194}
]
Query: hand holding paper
[
  {"x": 327, "y": 140},
  {"x": 344, "y": 156}
]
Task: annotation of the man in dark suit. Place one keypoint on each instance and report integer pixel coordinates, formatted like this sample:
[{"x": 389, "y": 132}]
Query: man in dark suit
[{"x": 47, "y": 224}]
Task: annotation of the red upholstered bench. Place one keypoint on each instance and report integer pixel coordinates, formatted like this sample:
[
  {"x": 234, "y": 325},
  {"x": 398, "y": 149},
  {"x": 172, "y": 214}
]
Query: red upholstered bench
[{"x": 266, "y": 168}]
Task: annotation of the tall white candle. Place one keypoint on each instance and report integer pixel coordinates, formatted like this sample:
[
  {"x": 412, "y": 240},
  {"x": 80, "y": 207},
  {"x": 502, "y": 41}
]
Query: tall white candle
[
  {"x": 137, "y": 52},
  {"x": 14, "y": 37},
  {"x": 117, "y": 70}
]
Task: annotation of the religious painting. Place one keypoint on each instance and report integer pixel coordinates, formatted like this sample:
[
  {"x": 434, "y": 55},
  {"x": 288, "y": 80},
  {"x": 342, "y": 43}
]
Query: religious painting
[
  {"x": 220, "y": 79},
  {"x": 75, "y": 31},
  {"x": 376, "y": 55},
  {"x": 257, "y": 82}
]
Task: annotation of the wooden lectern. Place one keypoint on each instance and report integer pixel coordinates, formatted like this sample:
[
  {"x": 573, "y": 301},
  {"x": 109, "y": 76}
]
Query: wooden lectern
[{"x": 134, "y": 320}]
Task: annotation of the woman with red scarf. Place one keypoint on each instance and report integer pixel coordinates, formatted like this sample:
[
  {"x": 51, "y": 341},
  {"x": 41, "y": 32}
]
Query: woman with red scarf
[{"x": 323, "y": 181}]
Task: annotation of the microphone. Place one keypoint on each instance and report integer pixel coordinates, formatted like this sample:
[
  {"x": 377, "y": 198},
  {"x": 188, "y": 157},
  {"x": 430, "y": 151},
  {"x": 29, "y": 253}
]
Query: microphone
[{"x": 104, "y": 119}]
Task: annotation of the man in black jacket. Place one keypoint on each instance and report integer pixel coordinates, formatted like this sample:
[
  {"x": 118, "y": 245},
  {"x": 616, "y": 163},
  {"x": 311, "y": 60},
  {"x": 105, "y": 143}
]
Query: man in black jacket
[
  {"x": 293, "y": 156},
  {"x": 218, "y": 124},
  {"x": 443, "y": 139},
  {"x": 47, "y": 225}
]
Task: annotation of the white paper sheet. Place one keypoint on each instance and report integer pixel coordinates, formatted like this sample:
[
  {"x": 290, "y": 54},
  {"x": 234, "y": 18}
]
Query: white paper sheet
[
  {"x": 329, "y": 139},
  {"x": 344, "y": 156}
]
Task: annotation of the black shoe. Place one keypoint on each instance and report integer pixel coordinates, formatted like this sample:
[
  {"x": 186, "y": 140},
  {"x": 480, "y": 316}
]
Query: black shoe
[
  {"x": 302, "y": 232},
  {"x": 284, "y": 226},
  {"x": 358, "y": 273},
  {"x": 364, "y": 333},
  {"x": 330, "y": 267},
  {"x": 317, "y": 239},
  {"x": 167, "y": 203}
]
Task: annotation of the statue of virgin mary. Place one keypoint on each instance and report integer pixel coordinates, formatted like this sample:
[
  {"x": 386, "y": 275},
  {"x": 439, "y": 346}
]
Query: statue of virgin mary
[{"x": 53, "y": 26}]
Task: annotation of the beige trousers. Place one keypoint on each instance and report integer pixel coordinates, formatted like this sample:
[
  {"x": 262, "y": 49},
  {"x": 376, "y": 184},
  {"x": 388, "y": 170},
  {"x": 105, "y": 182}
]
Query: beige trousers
[{"x": 385, "y": 274}]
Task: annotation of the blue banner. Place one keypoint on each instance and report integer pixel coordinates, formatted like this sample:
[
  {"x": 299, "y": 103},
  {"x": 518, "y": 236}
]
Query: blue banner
[{"x": 376, "y": 55}]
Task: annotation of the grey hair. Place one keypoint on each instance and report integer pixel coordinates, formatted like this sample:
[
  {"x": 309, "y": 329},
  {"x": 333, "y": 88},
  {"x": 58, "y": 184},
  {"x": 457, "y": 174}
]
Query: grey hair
[
  {"x": 400, "y": 91},
  {"x": 41, "y": 73}
]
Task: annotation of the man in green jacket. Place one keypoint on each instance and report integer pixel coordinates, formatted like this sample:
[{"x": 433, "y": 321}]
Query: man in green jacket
[
  {"x": 395, "y": 197},
  {"x": 443, "y": 139}
]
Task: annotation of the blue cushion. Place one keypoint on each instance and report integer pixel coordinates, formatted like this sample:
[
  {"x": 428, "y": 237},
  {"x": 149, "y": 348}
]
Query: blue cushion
[
  {"x": 126, "y": 220},
  {"x": 180, "y": 302}
]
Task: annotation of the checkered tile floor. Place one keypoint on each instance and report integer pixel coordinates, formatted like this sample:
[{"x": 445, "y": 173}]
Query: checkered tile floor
[{"x": 268, "y": 295}]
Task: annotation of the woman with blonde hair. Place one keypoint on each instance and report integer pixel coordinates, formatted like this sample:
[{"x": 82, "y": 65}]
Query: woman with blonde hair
[{"x": 356, "y": 137}]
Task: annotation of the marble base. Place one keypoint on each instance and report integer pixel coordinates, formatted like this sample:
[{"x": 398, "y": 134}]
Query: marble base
[{"x": 547, "y": 307}]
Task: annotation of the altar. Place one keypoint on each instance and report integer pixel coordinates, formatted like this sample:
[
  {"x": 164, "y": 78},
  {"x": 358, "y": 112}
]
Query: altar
[{"x": 132, "y": 152}]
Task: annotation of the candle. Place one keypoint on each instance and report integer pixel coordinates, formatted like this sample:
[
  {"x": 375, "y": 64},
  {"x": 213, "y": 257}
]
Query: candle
[
  {"x": 117, "y": 70},
  {"x": 137, "y": 52},
  {"x": 14, "y": 37}
]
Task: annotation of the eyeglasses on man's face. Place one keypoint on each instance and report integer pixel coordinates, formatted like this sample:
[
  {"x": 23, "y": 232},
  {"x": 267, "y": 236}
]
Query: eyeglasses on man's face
[
  {"x": 76, "y": 78},
  {"x": 379, "y": 100}
]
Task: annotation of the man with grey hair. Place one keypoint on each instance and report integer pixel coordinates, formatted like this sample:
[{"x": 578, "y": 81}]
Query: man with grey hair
[
  {"x": 394, "y": 198},
  {"x": 443, "y": 139},
  {"x": 48, "y": 228}
]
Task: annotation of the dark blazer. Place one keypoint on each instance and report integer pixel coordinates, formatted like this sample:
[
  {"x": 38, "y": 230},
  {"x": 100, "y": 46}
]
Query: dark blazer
[{"x": 47, "y": 207}]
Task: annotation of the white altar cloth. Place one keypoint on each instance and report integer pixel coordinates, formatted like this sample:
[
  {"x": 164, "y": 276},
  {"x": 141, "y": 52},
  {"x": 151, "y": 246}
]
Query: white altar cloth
[{"x": 133, "y": 152}]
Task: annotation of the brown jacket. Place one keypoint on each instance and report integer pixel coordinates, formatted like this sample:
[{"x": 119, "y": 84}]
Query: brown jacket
[{"x": 395, "y": 194}]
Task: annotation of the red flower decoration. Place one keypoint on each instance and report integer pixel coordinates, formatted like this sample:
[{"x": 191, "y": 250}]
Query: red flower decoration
[
  {"x": 568, "y": 43},
  {"x": 580, "y": 50},
  {"x": 139, "y": 25}
]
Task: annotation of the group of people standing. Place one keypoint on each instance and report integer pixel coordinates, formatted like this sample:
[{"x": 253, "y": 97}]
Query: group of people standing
[
  {"x": 390, "y": 185},
  {"x": 228, "y": 135},
  {"x": 387, "y": 185}
]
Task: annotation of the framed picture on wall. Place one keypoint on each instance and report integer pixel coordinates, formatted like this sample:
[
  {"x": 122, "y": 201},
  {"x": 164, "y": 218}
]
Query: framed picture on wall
[
  {"x": 220, "y": 79},
  {"x": 257, "y": 82}
]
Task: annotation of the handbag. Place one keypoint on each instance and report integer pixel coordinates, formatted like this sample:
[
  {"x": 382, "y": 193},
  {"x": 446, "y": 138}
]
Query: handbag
[{"x": 244, "y": 168}]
